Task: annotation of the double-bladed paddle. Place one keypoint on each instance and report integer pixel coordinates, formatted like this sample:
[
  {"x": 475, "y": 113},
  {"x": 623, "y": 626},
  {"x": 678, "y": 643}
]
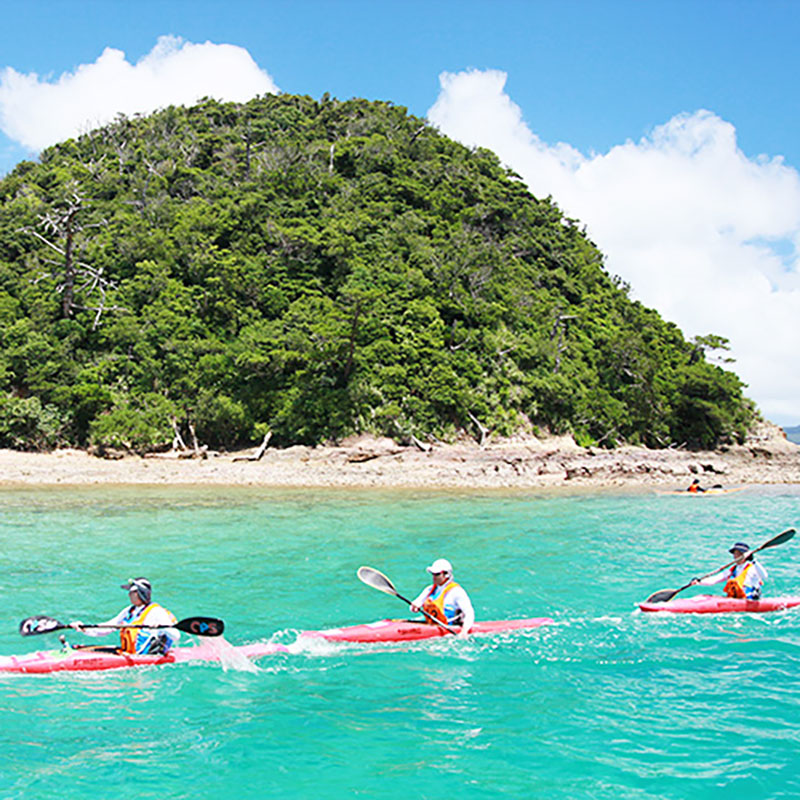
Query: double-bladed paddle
[
  {"x": 199, "y": 626},
  {"x": 377, "y": 580},
  {"x": 667, "y": 594}
]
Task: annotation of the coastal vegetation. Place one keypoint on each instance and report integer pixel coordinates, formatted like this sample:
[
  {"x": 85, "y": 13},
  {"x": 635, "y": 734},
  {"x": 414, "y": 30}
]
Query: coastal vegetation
[{"x": 313, "y": 269}]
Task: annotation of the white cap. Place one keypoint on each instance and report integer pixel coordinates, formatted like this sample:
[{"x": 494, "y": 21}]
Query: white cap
[{"x": 440, "y": 565}]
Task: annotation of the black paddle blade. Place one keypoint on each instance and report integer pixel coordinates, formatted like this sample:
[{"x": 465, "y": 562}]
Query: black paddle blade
[
  {"x": 377, "y": 580},
  {"x": 201, "y": 626},
  {"x": 33, "y": 625},
  {"x": 663, "y": 596},
  {"x": 779, "y": 539}
]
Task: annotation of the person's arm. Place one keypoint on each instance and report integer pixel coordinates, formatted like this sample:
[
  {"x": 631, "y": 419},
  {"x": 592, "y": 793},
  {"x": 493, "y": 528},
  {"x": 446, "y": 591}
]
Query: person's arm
[
  {"x": 757, "y": 575},
  {"x": 160, "y": 616},
  {"x": 464, "y": 605},
  {"x": 416, "y": 605},
  {"x": 469, "y": 619},
  {"x": 711, "y": 580},
  {"x": 116, "y": 620}
]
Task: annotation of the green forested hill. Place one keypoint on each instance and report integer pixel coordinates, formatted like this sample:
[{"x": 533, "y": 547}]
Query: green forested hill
[{"x": 315, "y": 269}]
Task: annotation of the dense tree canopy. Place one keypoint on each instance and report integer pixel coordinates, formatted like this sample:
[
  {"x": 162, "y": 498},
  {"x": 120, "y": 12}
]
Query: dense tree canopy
[{"x": 317, "y": 269}]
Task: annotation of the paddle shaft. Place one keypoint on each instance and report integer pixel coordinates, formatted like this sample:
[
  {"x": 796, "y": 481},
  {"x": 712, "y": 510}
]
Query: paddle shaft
[{"x": 177, "y": 626}]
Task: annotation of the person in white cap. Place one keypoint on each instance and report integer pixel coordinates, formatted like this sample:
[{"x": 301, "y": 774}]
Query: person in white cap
[
  {"x": 139, "y": 640},
  {"x": 445, "y": 599}
]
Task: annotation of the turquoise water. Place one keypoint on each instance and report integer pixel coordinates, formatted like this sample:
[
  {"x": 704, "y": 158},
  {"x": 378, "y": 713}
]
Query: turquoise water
[{"x": 606, "y": 703}]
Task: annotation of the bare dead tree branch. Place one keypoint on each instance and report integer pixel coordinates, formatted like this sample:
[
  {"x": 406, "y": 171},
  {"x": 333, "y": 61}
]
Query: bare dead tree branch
[
  {"x": 416, "y": 134},
  {"x": 74, "y": 277},
  {"x": 483, "y": 430},
  {"x": 426, "y": 448},
  {"x": 559, "y": 327},
  {"x": 177, "y": 441},
  {"x": 258, "y": 455}
]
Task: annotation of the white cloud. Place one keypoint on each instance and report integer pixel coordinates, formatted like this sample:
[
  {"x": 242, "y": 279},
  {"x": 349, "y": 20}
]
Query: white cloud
[
  {"x": 36, "y": 112},
  {"x": 703, "y": 234}
]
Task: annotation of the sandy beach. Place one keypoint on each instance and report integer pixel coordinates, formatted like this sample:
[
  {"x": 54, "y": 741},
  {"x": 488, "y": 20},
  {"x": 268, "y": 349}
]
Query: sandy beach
[{"x": 525, "y": 462}]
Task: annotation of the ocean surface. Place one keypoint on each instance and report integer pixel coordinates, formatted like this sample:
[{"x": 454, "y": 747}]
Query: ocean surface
[{"x": 605, "y": 703}]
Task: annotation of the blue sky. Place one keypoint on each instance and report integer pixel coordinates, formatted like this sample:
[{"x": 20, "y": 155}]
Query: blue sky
[
  {"x": 677, "y": 122},
  {"x": 590, "y": 73}
]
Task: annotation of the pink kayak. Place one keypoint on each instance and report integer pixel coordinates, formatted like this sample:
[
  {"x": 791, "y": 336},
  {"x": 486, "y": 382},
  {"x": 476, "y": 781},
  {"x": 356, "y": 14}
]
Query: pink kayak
[
  {"x": 78, "y": 660},
  {"x": 403, "y": 630},
  {"x": 719, "y": 604}
]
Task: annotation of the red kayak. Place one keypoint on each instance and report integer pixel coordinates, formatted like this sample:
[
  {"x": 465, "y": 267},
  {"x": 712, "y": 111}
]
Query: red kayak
[
  {"x": 79, "y": 660},
  {"x": 404, "y": 630},
  {"x": 719, "y": 604}
]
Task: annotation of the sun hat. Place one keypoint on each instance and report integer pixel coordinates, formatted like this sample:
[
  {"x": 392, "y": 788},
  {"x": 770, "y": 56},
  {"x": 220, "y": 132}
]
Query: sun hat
[
  {"x": 440, "y": 565},
  {"x": 142, "y": 586},
  {"x": 739, "y": 546}
]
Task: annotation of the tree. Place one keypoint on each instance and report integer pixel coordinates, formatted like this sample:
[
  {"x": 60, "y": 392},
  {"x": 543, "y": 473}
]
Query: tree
[{"x": 64, "y": 231}]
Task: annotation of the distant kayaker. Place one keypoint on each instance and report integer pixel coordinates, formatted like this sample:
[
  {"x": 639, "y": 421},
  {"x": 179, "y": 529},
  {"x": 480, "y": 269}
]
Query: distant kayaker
[
  {"x": 695, "y": 487},
  {"x": 743, "y": 580},
  {"x": 445, "y": 599},
  {"x": 153, "y": 641}
]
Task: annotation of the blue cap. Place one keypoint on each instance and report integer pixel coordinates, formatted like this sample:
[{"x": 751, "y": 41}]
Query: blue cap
[{"x": 739, "y": 546}]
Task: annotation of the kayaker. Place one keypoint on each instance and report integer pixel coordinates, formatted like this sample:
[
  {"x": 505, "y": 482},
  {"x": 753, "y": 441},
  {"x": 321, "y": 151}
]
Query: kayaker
[
  {"x": 743, "y": 580},
  {"x": 695, "y": 487},
  {"x": 445, "y": 599},
  {"x": 154, "y": 641}
]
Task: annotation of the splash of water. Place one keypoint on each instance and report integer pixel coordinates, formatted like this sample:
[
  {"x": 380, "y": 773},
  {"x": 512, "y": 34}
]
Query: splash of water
[{"x": 228, "y": 656}]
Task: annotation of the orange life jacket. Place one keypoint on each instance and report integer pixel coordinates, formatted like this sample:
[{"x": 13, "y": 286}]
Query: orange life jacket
[
  {"x": 735, "y": 586},
  {"x": 128, "y": 636},
  {"x": 436, "y": 607}
]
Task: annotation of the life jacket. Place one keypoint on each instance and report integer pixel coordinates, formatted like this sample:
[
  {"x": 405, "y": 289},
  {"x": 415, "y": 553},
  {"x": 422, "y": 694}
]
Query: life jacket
[
  {"x": 734, "y": 587},
  {"x": 692, "y": 488},
  {"x": 128, "y": 636},
  {"x": 435, "y": 607}
]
